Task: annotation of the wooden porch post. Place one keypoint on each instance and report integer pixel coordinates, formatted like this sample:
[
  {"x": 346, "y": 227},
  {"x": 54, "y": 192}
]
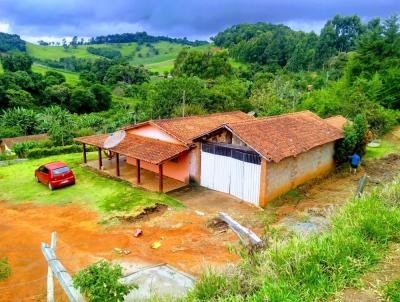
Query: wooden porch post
[
  {"x": 117, "y": 159},
  {"x": 138, "y": 171},
  {"x": 161, "y": 181},
  {"x": 84, "y": 153},
  {"x": 100, "y": 158}
]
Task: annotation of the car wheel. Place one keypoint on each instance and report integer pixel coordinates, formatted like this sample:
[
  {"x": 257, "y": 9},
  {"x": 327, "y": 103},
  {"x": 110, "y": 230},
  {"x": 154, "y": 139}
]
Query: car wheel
[
  {"x": 50, "y": 186},
  {"x": 37, "y": 179}
]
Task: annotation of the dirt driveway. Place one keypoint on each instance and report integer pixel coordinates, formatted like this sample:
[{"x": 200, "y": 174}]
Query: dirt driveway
[{"x": 186, "y": 241}]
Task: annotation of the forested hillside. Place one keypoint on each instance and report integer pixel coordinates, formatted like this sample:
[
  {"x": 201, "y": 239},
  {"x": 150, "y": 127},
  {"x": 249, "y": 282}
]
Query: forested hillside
[
  {"x": 278, "y": 46},
  {"x": 351, "y": 68},
  {"x": 11, "y": 42}
]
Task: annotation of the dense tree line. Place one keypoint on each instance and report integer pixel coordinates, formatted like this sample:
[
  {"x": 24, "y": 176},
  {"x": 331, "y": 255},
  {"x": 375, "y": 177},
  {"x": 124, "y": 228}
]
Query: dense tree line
[
  {"x": 22, "y": 88},
  {"x": 359, "y": 77},
  {"x": 105, "y": 52},
  {"x": 141, "y": 38},
  {"x": 278, "y": 46},
  {"x": 11, "y": 42}
]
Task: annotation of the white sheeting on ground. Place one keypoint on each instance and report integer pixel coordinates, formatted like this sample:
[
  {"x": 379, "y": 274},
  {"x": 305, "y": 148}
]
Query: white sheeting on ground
[{"x": 161, "y": 281}]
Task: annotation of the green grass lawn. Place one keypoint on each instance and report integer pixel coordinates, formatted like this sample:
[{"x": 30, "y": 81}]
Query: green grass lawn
[
  {"x": 385, "y": 148},
  {"x": 70, "y": 77},
  {"x": 91, "y": 190}
]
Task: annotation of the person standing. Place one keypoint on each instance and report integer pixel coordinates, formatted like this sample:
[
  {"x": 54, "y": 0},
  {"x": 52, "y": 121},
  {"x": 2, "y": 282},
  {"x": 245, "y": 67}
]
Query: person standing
[{"x": 355, "y": 161}]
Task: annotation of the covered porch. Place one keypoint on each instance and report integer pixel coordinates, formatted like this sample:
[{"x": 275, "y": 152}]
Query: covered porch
[
  {"x": 139, "y": 160},
  {"x": 147, "y": 179}
]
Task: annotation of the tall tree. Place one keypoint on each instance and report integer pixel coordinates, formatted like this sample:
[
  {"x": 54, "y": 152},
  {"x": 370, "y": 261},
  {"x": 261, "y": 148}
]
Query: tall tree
[{"x": 15, "y": 61}]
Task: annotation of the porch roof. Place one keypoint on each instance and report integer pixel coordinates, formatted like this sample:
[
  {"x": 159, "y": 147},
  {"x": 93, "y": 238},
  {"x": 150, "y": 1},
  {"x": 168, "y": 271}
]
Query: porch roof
[{"x": 147, "y": 149}]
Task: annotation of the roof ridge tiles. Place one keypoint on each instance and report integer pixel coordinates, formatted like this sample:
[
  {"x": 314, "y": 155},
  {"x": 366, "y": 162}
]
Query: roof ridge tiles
[
  {"x": 198, "y": 116},
  {"x": 274, "y": 117}
]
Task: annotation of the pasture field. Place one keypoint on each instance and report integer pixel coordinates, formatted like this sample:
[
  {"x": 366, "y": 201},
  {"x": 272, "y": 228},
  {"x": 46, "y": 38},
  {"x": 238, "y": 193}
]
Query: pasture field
[
  {"x": 70, "y": 77},
  {"x": 136, "y": 54}
]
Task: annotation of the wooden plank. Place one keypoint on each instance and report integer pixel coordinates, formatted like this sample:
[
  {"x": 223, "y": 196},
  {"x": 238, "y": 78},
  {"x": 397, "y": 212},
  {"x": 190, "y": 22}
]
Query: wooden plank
[
  {"x": 61, "y": 273},
  {"x": 117, "y": 159},
  {"x": 161, "y": 180},
  {"x": 138, "y": 171},
  {"x": 241, "y": 231},
  {"x": 100, "y": 158},
  {"x": 84, "y": 153}
]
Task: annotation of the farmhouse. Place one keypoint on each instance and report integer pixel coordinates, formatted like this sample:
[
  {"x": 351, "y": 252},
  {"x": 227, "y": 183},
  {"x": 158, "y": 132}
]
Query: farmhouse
[{"x": 253, "y": 159}]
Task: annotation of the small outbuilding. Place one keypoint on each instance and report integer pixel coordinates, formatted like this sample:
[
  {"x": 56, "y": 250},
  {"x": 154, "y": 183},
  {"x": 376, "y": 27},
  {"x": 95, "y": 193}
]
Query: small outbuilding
[{"x": 7, "y": 143}]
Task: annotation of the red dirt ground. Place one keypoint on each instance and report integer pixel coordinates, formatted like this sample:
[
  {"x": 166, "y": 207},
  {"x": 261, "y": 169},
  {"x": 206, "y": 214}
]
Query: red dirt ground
[{"x": 186, "y": 244}]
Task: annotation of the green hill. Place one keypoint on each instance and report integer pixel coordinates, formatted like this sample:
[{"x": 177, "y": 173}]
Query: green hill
[
  {"x": 70, "y": 77},
  {"x": 156, "y": 56}
]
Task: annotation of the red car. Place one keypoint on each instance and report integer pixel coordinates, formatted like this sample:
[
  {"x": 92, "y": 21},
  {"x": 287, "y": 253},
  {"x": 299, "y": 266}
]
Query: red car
[{"x": 55, "y": 175}]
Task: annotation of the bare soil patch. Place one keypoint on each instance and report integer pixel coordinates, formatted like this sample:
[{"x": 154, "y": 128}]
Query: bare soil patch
[
  {"x": 146, "y": 214},
  {"x": 315, "y": 201},
  {"x": 383, "y": 169},
  {"x": 186, "y": 243},
  {"x": 217, "y": 225}
]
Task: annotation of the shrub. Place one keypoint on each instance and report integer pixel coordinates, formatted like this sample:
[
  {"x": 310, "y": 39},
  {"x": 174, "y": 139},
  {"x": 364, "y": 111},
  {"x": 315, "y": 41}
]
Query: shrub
[
  {"x": 100, "y": 282},
  {"x": 24, "y": 119},
  {"x": 355, "y": 139},
  {"x": 84, "y": 132},
  {"x": 6, "y": 132},
  {"x": 5, "y": 269},
  {"x": 43, "y": 152},
  {"x": 7, "y": 156},
  {"x": 21, "y": 148}
]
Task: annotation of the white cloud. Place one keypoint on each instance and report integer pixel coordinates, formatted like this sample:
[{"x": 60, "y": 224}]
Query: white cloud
[
  {"x": 4, "y": 27},
  {"x": 306, "y": 26}
]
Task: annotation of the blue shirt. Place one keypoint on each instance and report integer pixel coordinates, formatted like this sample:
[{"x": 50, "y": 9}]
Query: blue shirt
[{"x": 355, "y": 160}]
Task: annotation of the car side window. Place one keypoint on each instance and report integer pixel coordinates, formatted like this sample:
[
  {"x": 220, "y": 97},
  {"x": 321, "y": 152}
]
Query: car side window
[{"x": 44, "y": 170}]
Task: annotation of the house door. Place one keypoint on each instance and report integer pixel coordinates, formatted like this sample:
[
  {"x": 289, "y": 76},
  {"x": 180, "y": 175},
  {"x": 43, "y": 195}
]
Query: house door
[{"x": 231, "y": 171}]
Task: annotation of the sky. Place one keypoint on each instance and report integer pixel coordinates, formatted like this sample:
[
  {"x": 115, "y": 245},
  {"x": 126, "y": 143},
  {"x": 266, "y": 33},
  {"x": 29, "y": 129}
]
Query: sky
[{"x": 54, "y": 19}]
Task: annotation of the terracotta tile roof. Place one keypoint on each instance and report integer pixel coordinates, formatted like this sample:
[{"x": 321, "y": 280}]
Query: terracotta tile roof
[
  {"x": 337, "y": 121},
  {"x": 185, "y": 129},
  {"x": 279, "y": 137},
  {"x": 147, "y": 149},
  {"x": 9, "y": 142}
]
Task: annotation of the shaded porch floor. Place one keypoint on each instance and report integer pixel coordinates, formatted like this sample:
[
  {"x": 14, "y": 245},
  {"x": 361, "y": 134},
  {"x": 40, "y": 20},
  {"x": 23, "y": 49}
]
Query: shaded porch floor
[{"x": 148, "y": 179}]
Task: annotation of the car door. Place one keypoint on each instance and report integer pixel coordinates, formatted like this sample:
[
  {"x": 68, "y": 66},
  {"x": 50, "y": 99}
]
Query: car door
[{"x": 43, "y": 175}]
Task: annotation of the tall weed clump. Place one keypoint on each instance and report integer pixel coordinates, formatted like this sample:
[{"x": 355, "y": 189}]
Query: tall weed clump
[{"x": 313, "y": 269}]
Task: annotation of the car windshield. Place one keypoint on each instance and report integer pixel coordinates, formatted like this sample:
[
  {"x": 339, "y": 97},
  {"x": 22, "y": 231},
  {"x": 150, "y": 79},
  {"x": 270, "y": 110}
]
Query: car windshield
[{"x": 60, "y": 170}]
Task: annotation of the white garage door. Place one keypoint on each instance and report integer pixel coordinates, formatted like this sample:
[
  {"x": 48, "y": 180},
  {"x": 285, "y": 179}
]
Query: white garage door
[{"x": 231, "y": 171}]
